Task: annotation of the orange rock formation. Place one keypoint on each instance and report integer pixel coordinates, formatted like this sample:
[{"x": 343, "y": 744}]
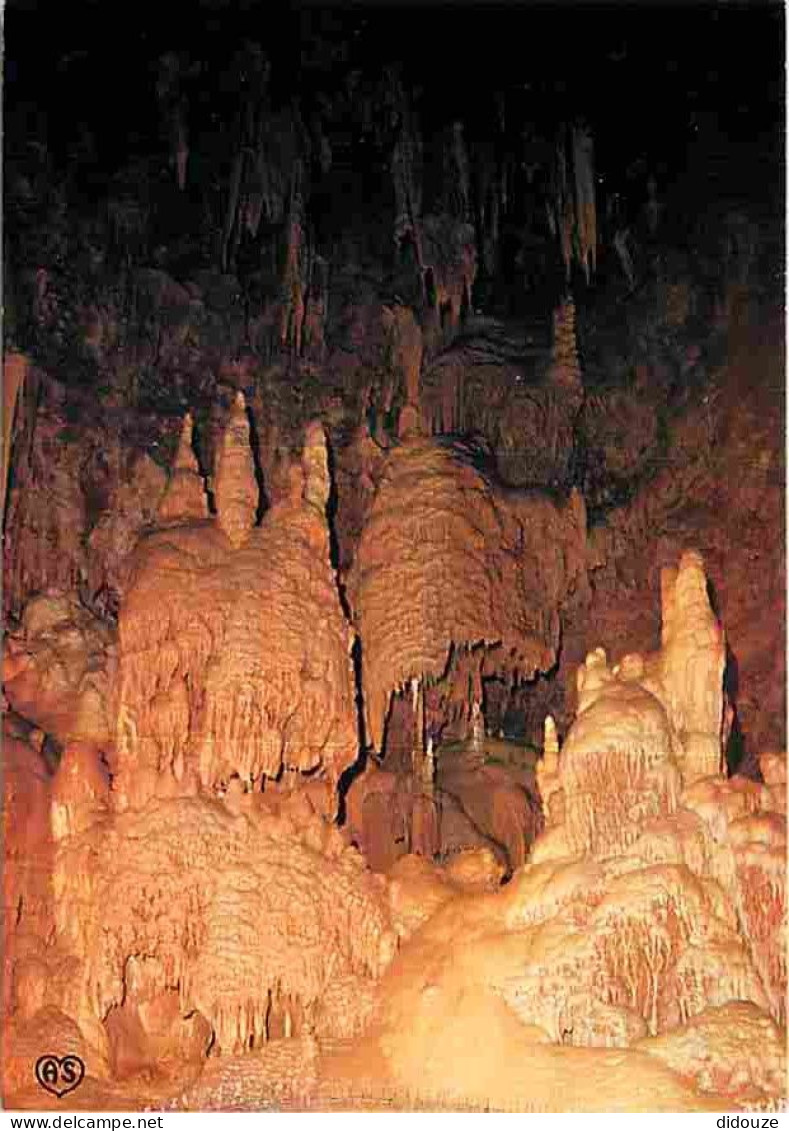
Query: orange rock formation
[
  {"x": 445, "y": 559},
  {"x": 182, "y": 910},
  {"x": 640, "y": 922},
  {"x": 234, "y": 651}
]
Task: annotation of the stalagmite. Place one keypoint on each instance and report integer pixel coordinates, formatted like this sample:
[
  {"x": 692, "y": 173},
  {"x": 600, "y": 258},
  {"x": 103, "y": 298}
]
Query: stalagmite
[
  {"x": 236, "y": 488},
  {"x": 565, "y": 369},
  {"x": 550, "y": 749},
  {"x": 315, "y": 462},
  {"x": 573, "y": 210},
  {"x": 185, "y": 498}
]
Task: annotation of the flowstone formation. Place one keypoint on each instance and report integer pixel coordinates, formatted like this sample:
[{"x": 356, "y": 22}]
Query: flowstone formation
[
  {"x": 59, "y": 668},
  {"x": 179, "y": 886},
  {"x": 650, "y": 917},
  {"x": 445, "y": 559},
  {"x": 202, "y": 698},
  {"x": 454, "y": 581}
]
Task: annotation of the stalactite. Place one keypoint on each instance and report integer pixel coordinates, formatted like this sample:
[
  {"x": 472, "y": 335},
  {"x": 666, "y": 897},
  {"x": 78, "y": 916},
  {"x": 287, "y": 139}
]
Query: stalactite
[
  {"x": 586, "y": 210},
  {"x": 406, "y": 167}
]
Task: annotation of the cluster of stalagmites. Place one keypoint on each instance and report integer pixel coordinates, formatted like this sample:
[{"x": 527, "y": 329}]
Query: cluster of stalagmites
[
  {"x": 189, "y": 906},
  {"x": 650, "y": 916},
  {"x": 180, "y": 889},
  {"x": 234, "y": 649}
]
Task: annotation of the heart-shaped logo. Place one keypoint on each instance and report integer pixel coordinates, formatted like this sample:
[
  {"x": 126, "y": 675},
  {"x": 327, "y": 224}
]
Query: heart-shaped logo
[{"x": 60, "y": 1075}]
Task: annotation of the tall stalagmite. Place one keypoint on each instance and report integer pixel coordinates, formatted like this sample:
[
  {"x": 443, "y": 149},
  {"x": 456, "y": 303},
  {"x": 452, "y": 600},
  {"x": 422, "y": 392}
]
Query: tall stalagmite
[
  {"x": 185, "y": 498},
  {"x": 236, "y": 488}
]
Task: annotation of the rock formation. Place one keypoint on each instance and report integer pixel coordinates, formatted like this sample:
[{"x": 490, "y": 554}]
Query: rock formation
[
  {"x": 59, "y": 670},
  {"x": 468, "y": 565},
  {"x": 235, "y": 924},
  {"x": 500, "y": 384},
  {"x": 372, "y": 738},
  {"x": 15, "y": 371},
  {"x": 204, "y": 883},
  {"x": 641, "y": 920},
  {"x": 195, "y": 895},
  {"x": 202, "y": 696}
]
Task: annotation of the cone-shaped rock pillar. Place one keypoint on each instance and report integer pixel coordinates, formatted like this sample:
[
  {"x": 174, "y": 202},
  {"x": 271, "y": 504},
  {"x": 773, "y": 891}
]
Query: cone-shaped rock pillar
[
  {"x": 185, "y": 497},
  {"x": 236, "y": 489}
]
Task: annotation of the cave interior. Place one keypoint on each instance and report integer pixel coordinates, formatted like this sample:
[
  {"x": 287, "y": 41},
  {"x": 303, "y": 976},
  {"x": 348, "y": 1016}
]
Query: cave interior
[{"x": 393, "y": 432}]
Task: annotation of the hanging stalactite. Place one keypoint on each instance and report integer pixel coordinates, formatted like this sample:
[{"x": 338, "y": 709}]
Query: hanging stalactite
[
  {"x": 572, "y": 210},
  {"x": 585, "y": 210},
  {"x": 406, "y": 166},
  {"x": 174, "y": 108}
]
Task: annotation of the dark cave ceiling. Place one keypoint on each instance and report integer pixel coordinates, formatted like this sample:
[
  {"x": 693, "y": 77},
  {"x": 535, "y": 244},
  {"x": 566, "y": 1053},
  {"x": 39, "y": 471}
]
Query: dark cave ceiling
[{"x": 647, "y": 78}]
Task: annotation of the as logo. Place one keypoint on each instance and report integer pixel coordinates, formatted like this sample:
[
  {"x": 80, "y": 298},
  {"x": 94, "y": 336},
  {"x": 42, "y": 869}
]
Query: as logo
[{"x": 59, "y": 1076}]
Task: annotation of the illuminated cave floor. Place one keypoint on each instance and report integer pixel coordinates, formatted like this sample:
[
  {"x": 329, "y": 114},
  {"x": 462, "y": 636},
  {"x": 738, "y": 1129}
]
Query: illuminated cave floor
[{"x": 347, "y": 1080}]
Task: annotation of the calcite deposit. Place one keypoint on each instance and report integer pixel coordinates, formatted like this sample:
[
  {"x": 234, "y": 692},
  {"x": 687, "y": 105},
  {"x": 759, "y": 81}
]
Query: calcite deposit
[
  {"x": 205, "y": 915},
  {"x": 59, "y": 668},
  {"x": 394, "y": 582},
  {"x": 234, "y": 651},
  {"x": 469, "y": 564},
  {"x": 233, "y": 904}
]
